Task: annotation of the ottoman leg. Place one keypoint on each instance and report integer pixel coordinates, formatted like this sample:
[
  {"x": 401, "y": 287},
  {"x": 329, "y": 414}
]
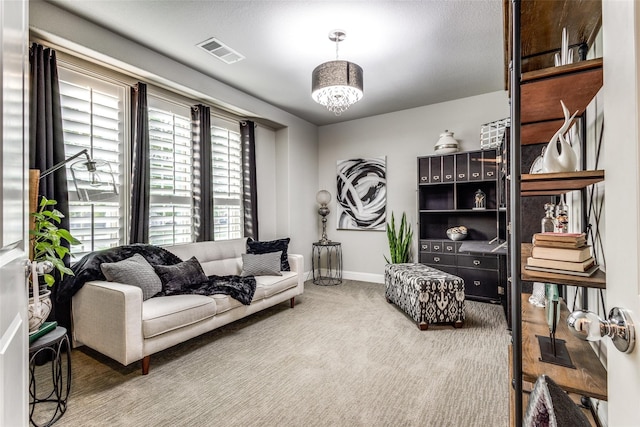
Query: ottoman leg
[
  {"x": 458, "y": 324},
  {"x": 389, "y": 301},
  {"x": 423, "y": 326}
]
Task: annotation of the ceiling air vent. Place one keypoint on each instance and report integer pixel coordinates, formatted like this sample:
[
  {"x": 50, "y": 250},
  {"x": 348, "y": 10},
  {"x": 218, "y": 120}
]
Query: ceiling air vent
[{"x": 221, "y": 51}]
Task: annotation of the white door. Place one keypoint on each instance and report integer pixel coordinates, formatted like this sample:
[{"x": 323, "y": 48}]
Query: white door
[
  {"x": 621, "y": 96},
  {"x": 13, "y": 213}
]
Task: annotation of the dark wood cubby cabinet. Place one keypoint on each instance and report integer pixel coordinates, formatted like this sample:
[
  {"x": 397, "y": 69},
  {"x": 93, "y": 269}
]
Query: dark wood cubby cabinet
[{"x": 446, "y": 198}]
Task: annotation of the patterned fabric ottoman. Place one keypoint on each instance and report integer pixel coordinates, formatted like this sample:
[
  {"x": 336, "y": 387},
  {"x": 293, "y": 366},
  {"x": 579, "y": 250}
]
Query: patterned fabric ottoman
[{"x": 426, "y": 294}]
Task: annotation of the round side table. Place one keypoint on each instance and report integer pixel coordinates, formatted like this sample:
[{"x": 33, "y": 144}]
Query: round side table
[
  {"x": 54, "y": 397},
  {"x": 326, "y": 261}
]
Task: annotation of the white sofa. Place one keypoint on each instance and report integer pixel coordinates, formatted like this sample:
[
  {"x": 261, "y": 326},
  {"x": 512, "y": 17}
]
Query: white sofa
[{"x": 113, "y": 319}]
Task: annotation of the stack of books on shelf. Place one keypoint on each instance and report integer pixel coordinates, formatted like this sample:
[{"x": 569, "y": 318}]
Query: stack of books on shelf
[{"x": 564, "y": 253}]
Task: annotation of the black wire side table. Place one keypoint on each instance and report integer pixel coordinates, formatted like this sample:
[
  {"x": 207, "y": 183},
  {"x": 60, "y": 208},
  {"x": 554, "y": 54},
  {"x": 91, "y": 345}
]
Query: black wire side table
[
  {"x": 50, "y": 346},
  {"x": 326, "y": 261}
]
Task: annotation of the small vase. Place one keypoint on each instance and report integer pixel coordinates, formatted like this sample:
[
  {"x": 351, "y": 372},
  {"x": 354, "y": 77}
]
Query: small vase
[{"x": 38, "y": 314}]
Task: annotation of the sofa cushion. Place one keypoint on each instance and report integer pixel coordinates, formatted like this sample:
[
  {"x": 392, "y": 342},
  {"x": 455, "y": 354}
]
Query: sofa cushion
[
  {"x": 256, "y": 247},
  {"x": 271, "y": 285},
  {"x": 164, "y": 314},
  {"x": 134, "y": 271},
  {"x": 182, "y": 275},
  {"x": 220, "y": 258},
  {"x": 261, "y": 264},
  {"x": 225, "y": 302}
]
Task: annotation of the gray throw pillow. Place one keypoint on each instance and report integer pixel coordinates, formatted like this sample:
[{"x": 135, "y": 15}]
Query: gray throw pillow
[
  {"x": 261, "y": 264},
  {"x": 176, "y": 279},
  {"x": 135, "y": 271}
]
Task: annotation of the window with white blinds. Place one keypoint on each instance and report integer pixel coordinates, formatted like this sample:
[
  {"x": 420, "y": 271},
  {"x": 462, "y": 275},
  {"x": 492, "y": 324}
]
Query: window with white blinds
[
  {"x": 227, "y": 179},
  {"x": 170, "y": 202},
  {"x": 93, "y": 117}
]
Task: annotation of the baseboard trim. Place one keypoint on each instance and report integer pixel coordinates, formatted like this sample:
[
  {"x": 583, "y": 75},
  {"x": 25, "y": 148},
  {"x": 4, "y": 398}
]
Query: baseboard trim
[
  {"x": 363, "y": 277},
  {"x": 352, "y": 275}
]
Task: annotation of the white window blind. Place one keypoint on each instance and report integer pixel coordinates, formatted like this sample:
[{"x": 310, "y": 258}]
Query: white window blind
[
  {"x": 170, "y": 203},
  {"x": 93, "y": 117},
  {"x": 227, "y": 180}
]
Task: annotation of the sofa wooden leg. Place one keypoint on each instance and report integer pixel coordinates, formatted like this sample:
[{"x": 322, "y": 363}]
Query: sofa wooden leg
[
  {"x": 458, "y": 324},
  {"x": 423, "y": 326},
  {"x": 145, "y": 364},
  {"x": 293, "y": 301}
]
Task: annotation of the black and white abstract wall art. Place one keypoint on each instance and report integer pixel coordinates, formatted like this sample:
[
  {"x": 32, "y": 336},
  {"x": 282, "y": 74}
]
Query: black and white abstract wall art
[{"x": 362, "y": 194}]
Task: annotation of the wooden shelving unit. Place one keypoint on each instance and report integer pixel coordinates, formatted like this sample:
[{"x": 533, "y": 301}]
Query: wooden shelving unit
[
  {"x": 534, "y": 27},
  {"x": 553, "y": 184},
  {"x": 588, "y": 379},
  {"x": 597, "y": 280},
  {"x": 541, "y": 90}
]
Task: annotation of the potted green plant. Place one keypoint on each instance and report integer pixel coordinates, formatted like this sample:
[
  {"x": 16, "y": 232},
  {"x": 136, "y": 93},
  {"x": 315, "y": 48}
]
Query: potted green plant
[
  {"x": 46, "y": 241},
  {"x": 399, "y": 241}
]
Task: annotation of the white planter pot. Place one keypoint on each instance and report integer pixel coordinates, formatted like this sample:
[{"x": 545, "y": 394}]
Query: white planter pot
[{"x": 37, "y": 315}]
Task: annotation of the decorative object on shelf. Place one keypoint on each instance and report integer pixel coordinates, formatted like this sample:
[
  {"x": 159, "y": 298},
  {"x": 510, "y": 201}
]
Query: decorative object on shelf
[
  {"x": 537, "y": 297},
  {"x": 337, "y": 84},
  {"x": 323, "y": 198},
  {"x": 457, "y": 233},
  {"x": 399, "y": 241},
  {"x": 362, "y": 194},
  {"x": 492, "y": 134},
  {"x": 446, "y": 144},
  {"x": 548, "y": 223},
  {"x": 552, "y": 349},
  {"x": 536, "y": 166},
  {"x": 479, "y": 200},
  {"x": 565, "y": 56},
  {"x": 559, "y": 155},
  {"x": 562, "y": 217},
  {"x": 588, "y": 326}
]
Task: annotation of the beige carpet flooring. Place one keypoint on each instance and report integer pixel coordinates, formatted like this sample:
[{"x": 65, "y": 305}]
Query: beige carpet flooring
[{"x": 342, "y": 357}]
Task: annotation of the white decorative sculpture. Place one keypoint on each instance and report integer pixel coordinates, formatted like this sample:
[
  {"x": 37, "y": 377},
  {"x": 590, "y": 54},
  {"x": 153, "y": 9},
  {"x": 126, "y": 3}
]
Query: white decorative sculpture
[{"x": 559, "y": 156}]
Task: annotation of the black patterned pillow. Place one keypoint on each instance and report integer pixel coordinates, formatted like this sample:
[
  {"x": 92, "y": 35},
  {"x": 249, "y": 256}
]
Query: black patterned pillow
[
  {"x": 134, "y": 271},
  {"x": 261, "y": 264},
  {"x": 256, "y": 247},
  {"x": 550, "y": 406},
  {"x": 180, "y": 276}
]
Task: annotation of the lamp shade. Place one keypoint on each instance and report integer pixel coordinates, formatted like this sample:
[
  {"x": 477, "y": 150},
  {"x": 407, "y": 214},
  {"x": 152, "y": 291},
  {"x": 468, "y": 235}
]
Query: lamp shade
[
  {"x": 323, "y": 197},
  {"x": 337, "y": 85}
]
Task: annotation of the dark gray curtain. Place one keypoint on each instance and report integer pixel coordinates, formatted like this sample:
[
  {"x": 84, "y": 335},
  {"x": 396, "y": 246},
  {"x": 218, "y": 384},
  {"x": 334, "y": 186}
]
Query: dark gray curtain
[
  {"x": 202, "y": 186},
  {"x": 46, "y": 144},
  {"x": 249, "y": 187},
  {"x": 140, "y": 164}
]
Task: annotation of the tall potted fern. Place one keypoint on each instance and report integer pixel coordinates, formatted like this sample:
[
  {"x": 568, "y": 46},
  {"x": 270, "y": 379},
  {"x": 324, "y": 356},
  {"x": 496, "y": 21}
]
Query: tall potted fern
[{"x": 399, "y": 241}]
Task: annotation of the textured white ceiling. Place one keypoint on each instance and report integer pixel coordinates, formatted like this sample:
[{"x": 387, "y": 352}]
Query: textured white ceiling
[{"x": 413, "y": 52}]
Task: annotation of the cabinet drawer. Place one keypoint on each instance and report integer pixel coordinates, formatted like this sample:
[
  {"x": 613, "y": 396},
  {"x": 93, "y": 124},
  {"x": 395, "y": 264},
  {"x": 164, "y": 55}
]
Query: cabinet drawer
[
  {"x": 437, "y": 259},
  {"x": 480, "y": 283},
  {"x": 449, "y": 247},
  {"x": 425, "y": 245},
  {"x": 436, "y": 246},
  {"x": 423, "y": 171},
  {"x": 489, "y": 165},
  {"x": 478, "y": 261},
  {"x": 475, "y": 166},
  {"x": 435, "y": 163},
  {"x": 462, "y": 167},
  {"x": 448, "y": 168}
]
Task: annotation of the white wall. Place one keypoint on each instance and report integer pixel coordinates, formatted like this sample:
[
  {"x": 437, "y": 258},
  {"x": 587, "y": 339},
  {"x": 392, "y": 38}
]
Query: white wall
[
  {"x": 401, "y": 137},
  {"x": 286, "y": 159}
]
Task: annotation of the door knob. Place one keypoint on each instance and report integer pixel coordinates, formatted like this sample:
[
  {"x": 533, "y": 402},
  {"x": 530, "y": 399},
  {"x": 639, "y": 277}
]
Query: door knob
[{"x": 588, "y": 326}]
